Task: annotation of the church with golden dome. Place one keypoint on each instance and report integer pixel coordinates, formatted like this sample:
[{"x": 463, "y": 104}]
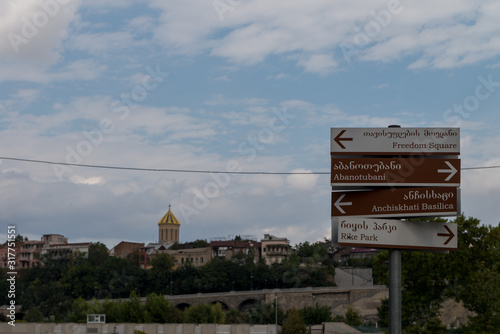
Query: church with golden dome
[
  {"x": 272, "y": 249},
  {"x": 168, "y": 228}
]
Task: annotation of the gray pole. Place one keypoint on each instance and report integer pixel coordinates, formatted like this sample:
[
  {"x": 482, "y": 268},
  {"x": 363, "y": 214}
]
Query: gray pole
[
  {"x": 276, "y": 311},
  {"x": 395, "y": 286},
  {"x": 394, "y": 291}
]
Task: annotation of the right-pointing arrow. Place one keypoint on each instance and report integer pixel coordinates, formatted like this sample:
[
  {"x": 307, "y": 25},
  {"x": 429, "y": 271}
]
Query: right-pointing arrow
[
  {"x": 450, "y": 235},
  {"x": 452, "y": 170},
  {"x": 338, "y": 204}
]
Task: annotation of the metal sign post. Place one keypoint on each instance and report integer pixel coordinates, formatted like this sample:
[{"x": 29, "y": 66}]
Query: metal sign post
[{"x": 395, "y": 291}]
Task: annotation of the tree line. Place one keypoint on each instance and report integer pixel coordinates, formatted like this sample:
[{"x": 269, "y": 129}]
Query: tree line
[
  {"x": 48, "y": 290},
  {"x": 158, "y": 309},
  {"x": 470, "y": 275}
]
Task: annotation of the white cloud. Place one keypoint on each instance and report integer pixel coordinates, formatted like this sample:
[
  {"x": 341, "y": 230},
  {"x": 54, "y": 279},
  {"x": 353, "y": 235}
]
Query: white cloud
[
  {"x": 94, "y": 180},
  {"x": 83, "y": 69},
  {"x": 454, "y": 33},
  {"x": 222, "y": 78},
  {"x": 223, "y": 100},
  {"x": 110, "y": 4},
  {"x": 33, "y": 31},
  {"x": 318, "y": 64},
  {"x": 279, "y": 76},
  {"x": 101, "y": 43},
  {"x": 302, "y": 181}
]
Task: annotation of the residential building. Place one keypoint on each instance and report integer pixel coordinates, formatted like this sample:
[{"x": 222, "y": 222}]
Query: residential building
[
  {"x": 59, "y": 251},
  {"x": 226, "y": 249},
  {"x": 344, "y": 254},
  {"x": 274, "y": 249},
  {"x": 4, "y": 255},
  {"x": 51, "y": 239},
  {"x": 125, "y": 248},
  {"x": 29, "y": 253},
  {"x": 197, "y": 256},
  {"x": 147, "y": 252}
]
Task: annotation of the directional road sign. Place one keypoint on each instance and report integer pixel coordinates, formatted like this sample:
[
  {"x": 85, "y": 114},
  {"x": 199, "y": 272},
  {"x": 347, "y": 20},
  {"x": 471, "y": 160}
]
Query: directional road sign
[
  {"x": 395, "y": 141},
  {"x": 397, "y": 202},
  {"x": 414, "y": 171},
  {"x": 387, "y": 233}
]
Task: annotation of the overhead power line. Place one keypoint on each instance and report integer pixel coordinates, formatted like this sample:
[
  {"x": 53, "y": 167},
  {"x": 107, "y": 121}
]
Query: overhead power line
[
  {"x": 185, "y": 170},
  {"x": 155, "y": 169}
]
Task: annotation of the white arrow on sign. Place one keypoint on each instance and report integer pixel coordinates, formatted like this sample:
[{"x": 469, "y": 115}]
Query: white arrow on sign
[
  {"x": 338, "y": 204},
  {"x": 452, "y": 170}
]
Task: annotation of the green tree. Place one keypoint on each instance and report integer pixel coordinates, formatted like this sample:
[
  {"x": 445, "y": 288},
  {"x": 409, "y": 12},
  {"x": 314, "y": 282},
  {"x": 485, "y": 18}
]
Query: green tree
[
  {"x": 265, "y": 313},
  {"x": 236, "y": 317},
  {"x": 98, "y": 253},
  {"x": 33, "y": 315},
  {"x": 353, "y": 317},
  {"x": 476, "y": 274},
  {"x": 114, "y": 311},
  {"x": 204, "y": 314},
  {"x": 132, "y": 310},
  {"x": 383, "y": 313},
  {"x": 200, "y": 243},
  {"x": 47, "y": 297},
  {"x": 19, "y": 238},
  {"x": 159, "y": 275},
  {"x": 79, "y": 310},
  {"x": 294, "y": 324},
  {"x": 316, "y": 315},
  {"x": 161, "y": 310},
  {"x": 470, "y": 274}
]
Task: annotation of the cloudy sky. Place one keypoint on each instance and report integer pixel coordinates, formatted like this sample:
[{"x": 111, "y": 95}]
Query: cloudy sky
[{"x": 228, "y": 85}]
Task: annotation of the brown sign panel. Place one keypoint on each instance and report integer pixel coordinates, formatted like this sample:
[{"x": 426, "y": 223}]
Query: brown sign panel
[
  {"x": 411, "y": 171},
  {"x": 400, "y": 202}
]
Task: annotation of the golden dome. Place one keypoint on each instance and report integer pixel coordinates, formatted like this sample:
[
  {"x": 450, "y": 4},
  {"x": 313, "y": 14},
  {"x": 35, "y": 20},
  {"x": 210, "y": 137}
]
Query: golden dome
[{"x": 169, "y": 218}]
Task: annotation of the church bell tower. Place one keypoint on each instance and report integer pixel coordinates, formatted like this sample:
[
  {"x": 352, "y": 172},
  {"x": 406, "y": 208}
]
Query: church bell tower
[{"x": 168, "y": 228}]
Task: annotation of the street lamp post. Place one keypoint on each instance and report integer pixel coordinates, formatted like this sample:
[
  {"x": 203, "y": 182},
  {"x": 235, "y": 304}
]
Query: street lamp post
[
  {"x": 251, "y": 282},
  {"x": 276, "y": 310}
]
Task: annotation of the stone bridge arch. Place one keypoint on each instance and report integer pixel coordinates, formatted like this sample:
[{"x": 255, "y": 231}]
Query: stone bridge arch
[
  {"x": 248, "y": 304},
  {"x": 225, "y": 307},
  {"x": 366, "y": 299}
]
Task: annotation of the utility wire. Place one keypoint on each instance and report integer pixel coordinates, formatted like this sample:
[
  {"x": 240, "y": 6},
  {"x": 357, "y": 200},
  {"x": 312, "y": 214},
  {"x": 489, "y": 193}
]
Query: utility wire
[
  {"x": 155, "y": 169},
  {"x": 186, "y": 170}
]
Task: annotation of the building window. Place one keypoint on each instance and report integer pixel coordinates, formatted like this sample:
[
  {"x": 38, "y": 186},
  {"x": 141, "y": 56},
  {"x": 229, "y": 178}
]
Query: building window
[{"x": 201, "y": 260}]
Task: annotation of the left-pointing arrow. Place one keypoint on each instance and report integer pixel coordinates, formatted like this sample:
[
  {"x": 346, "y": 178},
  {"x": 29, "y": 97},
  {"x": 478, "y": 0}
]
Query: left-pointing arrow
[
  {"x": 338, "y": 204},
  {"x": 452, "y": 171},
  {"x": 450, "y": 235},
  {"x": 339, "y": 140}
]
